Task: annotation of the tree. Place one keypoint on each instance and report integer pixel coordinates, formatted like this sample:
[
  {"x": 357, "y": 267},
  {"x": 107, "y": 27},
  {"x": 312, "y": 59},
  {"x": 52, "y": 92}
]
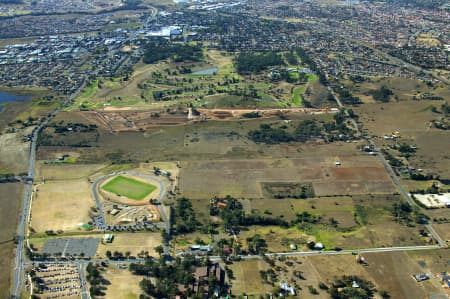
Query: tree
[
  {"x": 159, "y": 250},
  {"x": 256, "y": 62},
  {"x": 383, "y": 94},
  {"x": 108, "y": 254},
  {"x": 256, "y": 244}
]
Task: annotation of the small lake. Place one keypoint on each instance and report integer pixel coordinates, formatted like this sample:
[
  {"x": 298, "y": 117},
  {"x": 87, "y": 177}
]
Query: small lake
[
  {"x": 9, "y": 97},
  {"x": 208, "y": 71}
]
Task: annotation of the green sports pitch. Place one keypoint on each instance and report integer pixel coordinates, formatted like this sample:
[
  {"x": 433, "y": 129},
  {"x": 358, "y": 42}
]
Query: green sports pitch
[{"x": 128, "y": 187}]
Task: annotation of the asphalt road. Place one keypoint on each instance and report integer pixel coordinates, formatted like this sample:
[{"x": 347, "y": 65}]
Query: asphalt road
[
  {"x": 21, "y": 229},
  {"x": 162, "y": 193},
  {"x": 82, "y": 263}
]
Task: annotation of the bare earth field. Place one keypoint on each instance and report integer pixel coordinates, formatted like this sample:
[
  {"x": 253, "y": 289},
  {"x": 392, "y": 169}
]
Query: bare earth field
[
  {"x": 402, "y": 88},
  {"x": 66, "y": 171},
  {"x": 14, "y": 152},
  {"x": 412, "y": 119},
  {"x": 358, "y": 174},
  {"x": 391, "y": 272},
  {"x": 124, "y": 285},
  {"x": 123, "y": 242},
  {"x": 10, "y": 202},
  {"x": 61, "y": 205},
  {"x": 132, "y": 242},
  {"x": 247, "y": 277},
  {"x": 203, "y": 140}
]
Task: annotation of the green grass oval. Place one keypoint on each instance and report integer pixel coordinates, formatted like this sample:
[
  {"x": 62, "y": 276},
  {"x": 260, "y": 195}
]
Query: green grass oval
[{"x": 128, "y": 187}]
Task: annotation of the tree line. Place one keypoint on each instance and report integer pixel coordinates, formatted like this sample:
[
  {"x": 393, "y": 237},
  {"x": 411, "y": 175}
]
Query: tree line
[{"x": 161, "y": 50}]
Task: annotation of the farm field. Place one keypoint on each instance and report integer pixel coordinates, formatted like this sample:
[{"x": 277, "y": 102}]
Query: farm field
[
  {"x": 61, "y": 205},
  {"x": 10, "y": 202},
  {"x": 359, "y": 222},
  {"x": 248, "y": 278},
  {"x": 13, "y": 152},
  {"x": 391, "y": 272},
  {"x": 358, "y": 174},
  {"x": 382, "y": 234},
  {"x": 412, "y": 120},
  {"x": 60, "y": 171},
  {"x": 201, "y": 140},
  {"x": 128, "y": 187},
  {"x": 402, "y": 88},
  {"x": 434, "y": 261}
]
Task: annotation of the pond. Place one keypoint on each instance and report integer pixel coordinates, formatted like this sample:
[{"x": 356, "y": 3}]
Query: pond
[
  {"x": 208, "y": 71},
  {"x": 9, "y": 97}
]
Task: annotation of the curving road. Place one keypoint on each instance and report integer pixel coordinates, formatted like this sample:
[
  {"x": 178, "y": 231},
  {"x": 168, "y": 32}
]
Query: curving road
[{"x": 99, "y": 221}]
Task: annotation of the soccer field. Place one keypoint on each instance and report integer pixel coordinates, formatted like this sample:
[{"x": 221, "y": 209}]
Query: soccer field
[{"x": 129, "y": 187}]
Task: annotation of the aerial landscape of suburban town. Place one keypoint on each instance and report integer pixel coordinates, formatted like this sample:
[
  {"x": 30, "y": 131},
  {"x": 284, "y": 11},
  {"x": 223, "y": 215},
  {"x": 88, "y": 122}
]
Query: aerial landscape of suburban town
[{"x": 225, "y": 149}]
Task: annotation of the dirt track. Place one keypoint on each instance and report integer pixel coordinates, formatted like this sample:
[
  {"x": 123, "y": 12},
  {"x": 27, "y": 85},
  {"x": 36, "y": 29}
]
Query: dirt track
[
  {"x": 127, "y": 119},
  {"x": 237, "y": 113}
]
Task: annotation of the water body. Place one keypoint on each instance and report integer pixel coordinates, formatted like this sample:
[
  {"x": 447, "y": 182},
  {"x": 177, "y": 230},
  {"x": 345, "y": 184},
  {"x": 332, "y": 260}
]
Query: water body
[
  {"x": 6, "y": 97},
  {"x": 208, "y": 71}
]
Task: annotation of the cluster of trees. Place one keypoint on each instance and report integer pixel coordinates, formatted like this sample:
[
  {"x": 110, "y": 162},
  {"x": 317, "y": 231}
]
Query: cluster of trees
[
  {"x": 270, "y": 135},
  {"x": 306, "y": 130},
  {"x": 10, "y": 177},
  {"x": 433, "y": 189},
  {"x": 417, "y": 176},
  {"x": 74, "y": 127},
  {"x": 383, "y": 94},
  {"x": 391, "y": 159},
  {"x": 256, "y": 62},
  {"x": 96, "y": 281},
  {"x": 167, "y": 276},
  {"x": 290, "y": 76},
  {"x": 407, "y": 214},
  {"x": 157, "y": 51},
  {"x": 347, "y": 98},
  {"x": 269, "y": 276},
  {"x": 292, "y": 191},
  {"x": 405, "y": 148},
  {"x": 183, "y": 217},
  {"x": 445, "y": 109},
  {"x": 291, "y": 58},
  {"x": 233, "y": 216},
  {"x": 256, "y": 245},
  {"x": 312, "y": 65},
  {"x": 343, "y": 288}
]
